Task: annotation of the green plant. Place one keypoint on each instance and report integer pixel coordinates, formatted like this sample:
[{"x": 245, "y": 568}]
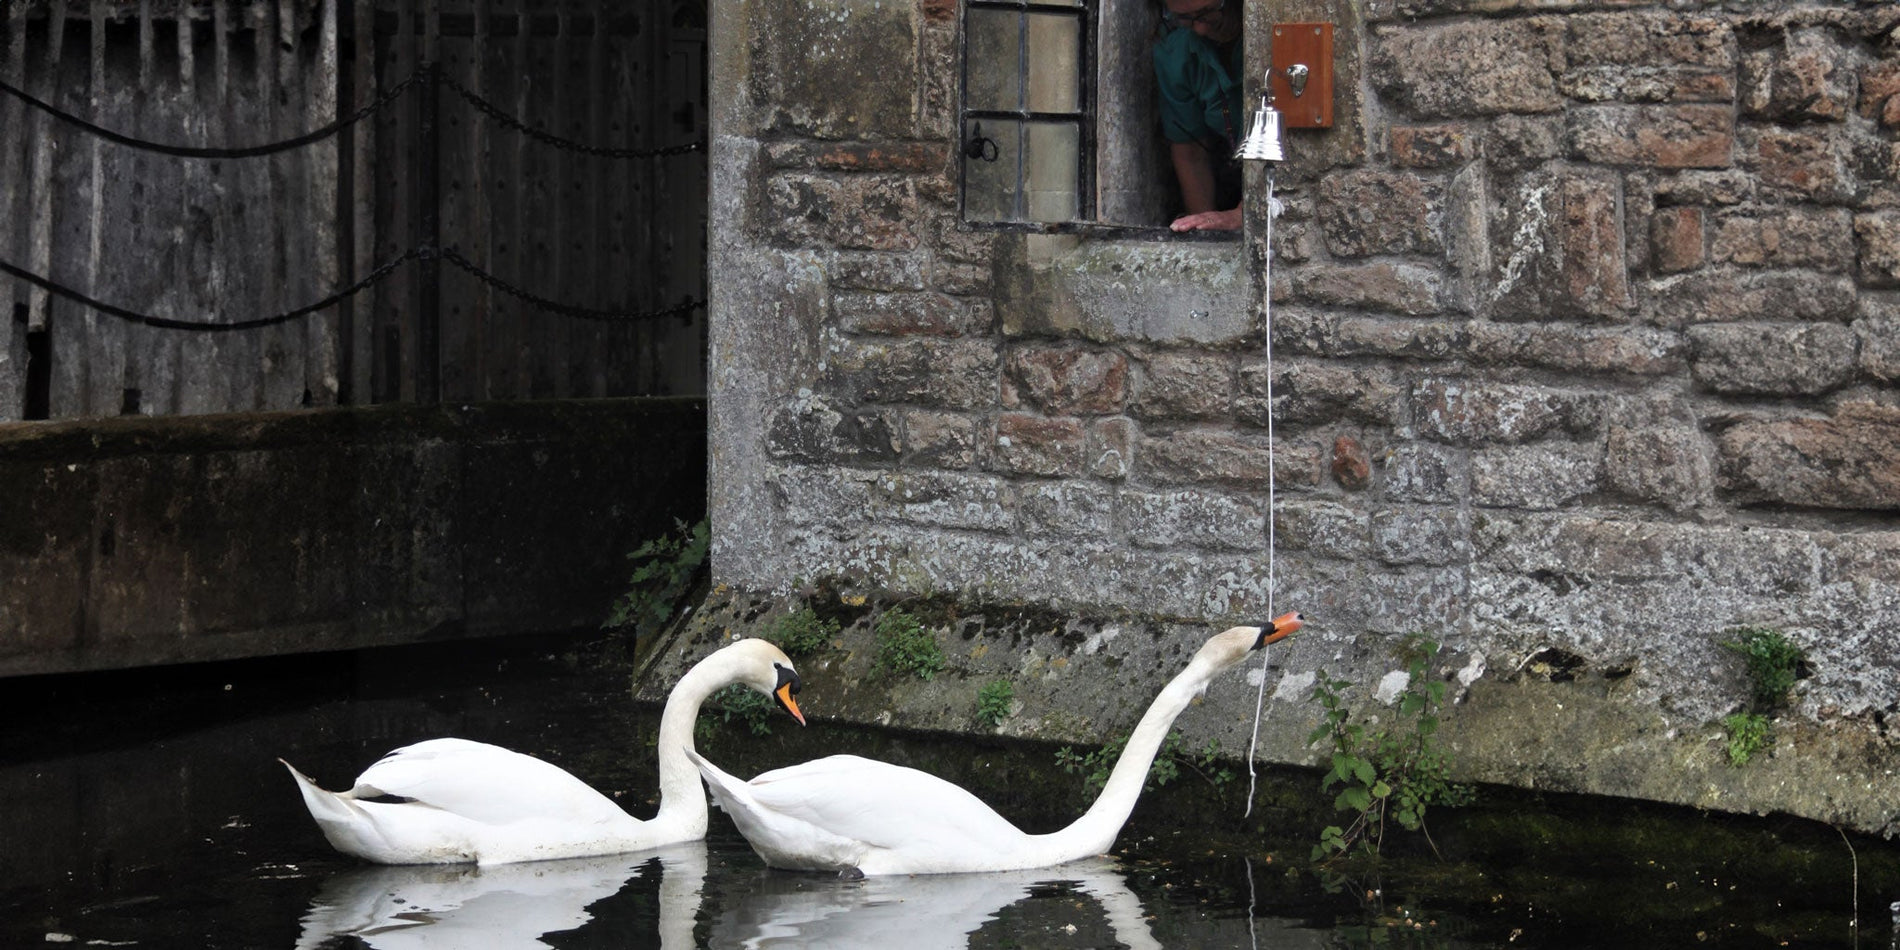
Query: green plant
[
  {"x": 904, "y": 645},
  {"x": 664, "y": 570},
  {"x": 802, "y": 632},
  {"x": 1773, "y": 661},
  {"x": 993, "y": 701},
  {"x": 1095, "y": 766},
  {"x": 741, "y": 703},
  {"x": 1390, "y": 770},
  {"x": 1748, "y": 733}
]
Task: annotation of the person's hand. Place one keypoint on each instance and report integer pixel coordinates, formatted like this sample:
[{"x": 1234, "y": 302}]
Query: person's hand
[{"x": 1228, "y": 220}]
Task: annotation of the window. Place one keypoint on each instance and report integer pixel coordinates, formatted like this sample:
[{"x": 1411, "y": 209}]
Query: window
[{"x": 1059, "y": 117}]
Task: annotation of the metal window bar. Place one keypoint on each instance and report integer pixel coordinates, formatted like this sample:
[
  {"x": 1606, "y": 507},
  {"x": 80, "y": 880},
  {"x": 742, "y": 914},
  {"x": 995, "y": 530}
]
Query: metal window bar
[{"x": 1082, "y": 118}]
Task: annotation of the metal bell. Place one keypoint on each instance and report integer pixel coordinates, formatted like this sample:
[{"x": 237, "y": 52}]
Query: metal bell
[{"x": 1263, "y": 139}]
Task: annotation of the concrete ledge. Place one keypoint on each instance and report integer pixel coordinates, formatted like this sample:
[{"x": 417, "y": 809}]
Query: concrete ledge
[
  {"x": 139, "y": 541},
  {"x": 1086, "y": 679}
]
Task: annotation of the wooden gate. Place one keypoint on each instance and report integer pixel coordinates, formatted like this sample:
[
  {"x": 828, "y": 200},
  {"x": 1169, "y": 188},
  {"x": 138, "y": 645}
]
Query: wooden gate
[{"x": 498, "y": 195}]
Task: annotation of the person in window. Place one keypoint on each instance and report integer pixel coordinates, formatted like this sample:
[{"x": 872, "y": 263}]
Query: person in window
[{"x": 1197, "y": 63}]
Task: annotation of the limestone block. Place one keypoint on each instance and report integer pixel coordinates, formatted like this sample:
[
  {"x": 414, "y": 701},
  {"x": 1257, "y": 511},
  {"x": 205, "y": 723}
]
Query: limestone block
[
  {"x": 921, "y": 313},
  {"x": 1227, "y": 459},
  {"x": 939, "y": 439},
  {"x": 1672, "y": 466},
  {"x": 1062, "y": 381},
  {"x": 1772, "y": 359},
  {"x": 1069, "y": 509},
  {"x": 1879, "y": 336},
  {"x": 1879, "y": 248},
  {"x": 1477, "y": 412},
  {"x": 1420, "y": 535},
  {"x": 1808, "y": 78},
  {"x": 1426, "y": 70},
  {"x": 871, "y": 270},
  {"x": 1431, "y": 146},
  {"x": 1029, "y": 444},
  {"x": 815, "y": 428},
  {"x": 1411, "y": 339},
  {"x": 1818, "y": 239},
  {"x": 865, "y": 212},
  {"x": 927, "y": 371},
  {"x": 1639, "y": 351},
  {"x": 1648, "y": 57},
  {"x": 1540, "y": 477},
  {"x": 1675, "y": 239},
  {"x": 1728, "y": 295},
  {"x": 1370, "y": 212},
  {"x": 1172, "y": 384},
  {"x": 1850, "y": 460},
  {"x": 805, "y": 52},
  {"x": 1425, "y": 472},
  {"x": 1409, "y": 289},
  {"x": 1661, "y": 136},
  {"x": 1323, "y": 528},
  {"x": 1194, "y": 519},
  {"x": 1310, "y": 391},
  {"x": 1812, "y": 162},
  {"x": 947, "y": 500}
]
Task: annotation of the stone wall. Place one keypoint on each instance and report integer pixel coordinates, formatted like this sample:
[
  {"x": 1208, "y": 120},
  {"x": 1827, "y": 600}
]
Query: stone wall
[{"x": 1585, "y": 330}]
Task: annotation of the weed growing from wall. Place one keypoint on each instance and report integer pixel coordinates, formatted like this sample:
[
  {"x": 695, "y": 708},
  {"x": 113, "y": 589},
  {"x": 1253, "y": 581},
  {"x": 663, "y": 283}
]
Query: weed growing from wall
[
  {"x": 802, "y": 632},
  {"x": 664, "y": 572},
  {"x": 993, "y": 702},
  {"x": 1774, "y": 663},
  {"x": 905, "y": 646},
  {"x": 1385, "y": 769}
]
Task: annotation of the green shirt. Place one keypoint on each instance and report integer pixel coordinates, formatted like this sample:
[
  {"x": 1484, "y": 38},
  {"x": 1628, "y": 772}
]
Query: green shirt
[{"x": 1200, "y": 89}]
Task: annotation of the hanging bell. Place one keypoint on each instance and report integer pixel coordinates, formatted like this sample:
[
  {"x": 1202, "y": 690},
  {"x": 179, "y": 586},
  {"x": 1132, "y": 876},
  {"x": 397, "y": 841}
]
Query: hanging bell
[{"x": 1263, "y": 139}]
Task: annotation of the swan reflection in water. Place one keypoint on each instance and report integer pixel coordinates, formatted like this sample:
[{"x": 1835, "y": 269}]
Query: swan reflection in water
[
  {"x": 450, "y": 907},
  {"x": 455, "y": 906},
  {"x": 782, "y": 909}
]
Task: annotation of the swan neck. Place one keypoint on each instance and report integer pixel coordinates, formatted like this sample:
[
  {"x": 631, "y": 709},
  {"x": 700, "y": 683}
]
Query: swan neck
[
  {"x": 682, "y": 797},
  {"x": 1094, "y": 832}
]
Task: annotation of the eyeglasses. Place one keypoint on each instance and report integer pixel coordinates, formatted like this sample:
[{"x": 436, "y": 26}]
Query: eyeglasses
[{"x": 1203, "y": 15}]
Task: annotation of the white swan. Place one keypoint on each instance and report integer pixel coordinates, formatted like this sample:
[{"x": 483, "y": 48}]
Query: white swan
[
  {"x": 457, "y": 800},
  {"x": 855, "y": 815}
]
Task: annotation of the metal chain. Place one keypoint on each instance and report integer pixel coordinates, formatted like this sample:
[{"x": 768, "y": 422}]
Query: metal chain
[
  {"x": 508, "y": 121},
  {"x": 564, "y": 309},
  {"x": 207, "y": 326},
  {"x": 184, "y": 151}
]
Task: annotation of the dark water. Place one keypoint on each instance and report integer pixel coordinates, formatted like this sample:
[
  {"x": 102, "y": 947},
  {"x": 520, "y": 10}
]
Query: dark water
[{"x": 148, "y": 810}]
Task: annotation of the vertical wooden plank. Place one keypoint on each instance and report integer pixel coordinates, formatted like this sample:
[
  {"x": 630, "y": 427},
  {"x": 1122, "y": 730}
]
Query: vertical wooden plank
[
  {"x": 554, "y": 329},
  {"x": 49, "y": 179},
  {"x": 314, "y": 69},
  {"x": 517, "y": 346},
  {"x": 393, "y": 204},
  {"x": 361, "y": 312},
  {"x": 538, "y": 101},
  {"x": 473, "y": 228},
  {"x": 100, "y": 348},
  {"x": 320, "y": 331},
  {"x": 160, "y": 391},
  {"x": 14, "y": 295},
  {"x": 598, "y": 337},
  {"x": 460, "y": 187}
]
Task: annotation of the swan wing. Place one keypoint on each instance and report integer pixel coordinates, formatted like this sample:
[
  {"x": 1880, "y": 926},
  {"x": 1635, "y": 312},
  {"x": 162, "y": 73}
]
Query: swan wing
[
  {"x": 485, "y": 783},
  {"x": 885, "y": 806}
]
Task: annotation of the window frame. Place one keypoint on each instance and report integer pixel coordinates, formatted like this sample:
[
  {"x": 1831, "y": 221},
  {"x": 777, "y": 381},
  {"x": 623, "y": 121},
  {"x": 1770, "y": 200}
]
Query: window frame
[{"x": 1085, "y": 12}]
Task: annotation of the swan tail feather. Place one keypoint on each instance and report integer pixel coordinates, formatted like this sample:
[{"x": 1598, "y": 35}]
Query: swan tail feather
[{"x": 724, "y": 786}]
